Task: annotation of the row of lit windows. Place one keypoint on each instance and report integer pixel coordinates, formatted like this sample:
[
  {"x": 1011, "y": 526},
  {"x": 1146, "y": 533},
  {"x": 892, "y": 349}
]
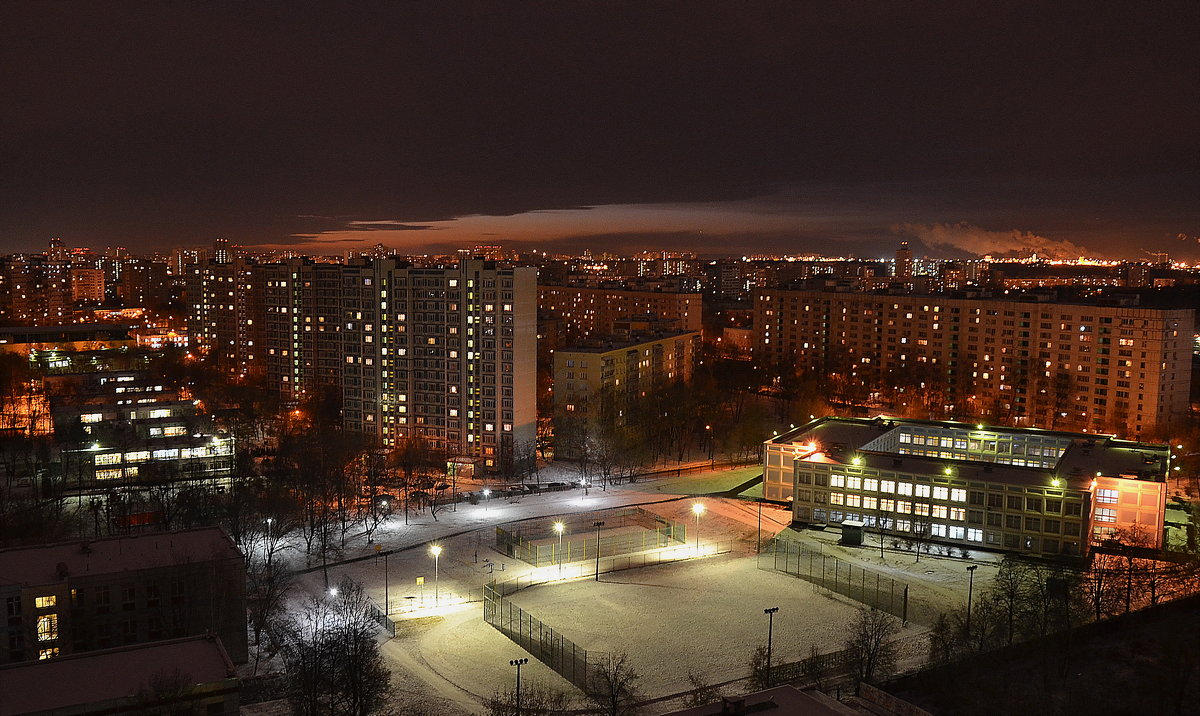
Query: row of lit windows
[{"x": 871, "y": 484}]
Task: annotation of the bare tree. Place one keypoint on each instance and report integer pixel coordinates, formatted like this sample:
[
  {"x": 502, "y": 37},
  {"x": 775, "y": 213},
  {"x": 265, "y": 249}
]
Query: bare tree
[
  {"x": 536, "y": 698},
  {"x": 870, "y": 644},
  {"x": 612, "y": 685}
]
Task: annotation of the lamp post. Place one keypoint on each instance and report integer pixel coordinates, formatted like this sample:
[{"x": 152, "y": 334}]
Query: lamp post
[
  {"x": 697, "y": 510},
  {"x": 270, "y": 551},
  {"x": 970, "y": 588},
  {"x": 387, "y": 602},
  {"x": 436, "y": 551},
  {"x": 598, "y": 524},
  {"x": 708, "y": 433},
  {"x": 518, "y": 663},
  {"x": 559, "y": 527},
  {"x": 486, "y": 493},
  {"x": 770, "y": 612}
]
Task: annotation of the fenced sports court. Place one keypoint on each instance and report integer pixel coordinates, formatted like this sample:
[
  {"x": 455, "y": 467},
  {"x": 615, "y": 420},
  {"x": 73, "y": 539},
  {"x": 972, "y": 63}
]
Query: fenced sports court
[{"x": 625, "y": 531}]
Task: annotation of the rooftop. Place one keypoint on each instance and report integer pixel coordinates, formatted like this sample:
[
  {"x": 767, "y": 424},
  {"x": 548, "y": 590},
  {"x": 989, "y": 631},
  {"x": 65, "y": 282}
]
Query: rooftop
[
  {"x": 1076, "y": 457},
  {"x": 43, "y": 564},
  {"x": 110, "y": 674}
]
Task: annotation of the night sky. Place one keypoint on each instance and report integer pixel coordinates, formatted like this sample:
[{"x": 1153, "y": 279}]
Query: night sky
[{"x": 715, "y": 127}]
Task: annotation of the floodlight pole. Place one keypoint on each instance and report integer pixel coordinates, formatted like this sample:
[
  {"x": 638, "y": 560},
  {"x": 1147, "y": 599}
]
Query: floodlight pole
[
  {"x": 970, "y": 588},
  {"x": 518, "y": 663},
  {"x": 598, "y": 524},
  {"x": 770, "y": 612}
]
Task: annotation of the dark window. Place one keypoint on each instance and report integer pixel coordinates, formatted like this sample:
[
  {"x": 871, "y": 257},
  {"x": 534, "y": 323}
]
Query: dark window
[
  {"x": 995, "y": 500},
  {"x": 1015, "y": 503},
  {"x": 1033, "y": 504},
  {"x": 127, "y": 598},
  {"x": 102, "y": 600},
  {"x": 1012, "y": 522}
]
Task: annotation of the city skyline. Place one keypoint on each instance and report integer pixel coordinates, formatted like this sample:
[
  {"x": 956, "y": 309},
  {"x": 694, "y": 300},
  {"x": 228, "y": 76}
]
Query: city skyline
[{"x": 962, "y": 129}]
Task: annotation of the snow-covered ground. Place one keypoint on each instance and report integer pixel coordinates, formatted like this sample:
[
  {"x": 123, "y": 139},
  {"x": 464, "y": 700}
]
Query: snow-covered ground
[{"x": 703, "y": 614}]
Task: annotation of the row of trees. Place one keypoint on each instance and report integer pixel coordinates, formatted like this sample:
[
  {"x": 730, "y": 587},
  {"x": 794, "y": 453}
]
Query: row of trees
[{"x": 1027, "y": 600}]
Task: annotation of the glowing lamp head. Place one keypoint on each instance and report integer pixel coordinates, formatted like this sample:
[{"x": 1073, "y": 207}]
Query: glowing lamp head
[
  {"x": 333, "y": 591},
  {"x": 559, "y": 527},
  {"x": 946, "y": 470},
  {"x": 856, "y": 461},
  {"x": 486, "y": 493},
  {"x": 1056, "y": 482},
  {"x": 697, "y": 509},
  {"x": 435, "y": 550},
  {"x": 979, "y": 426}
]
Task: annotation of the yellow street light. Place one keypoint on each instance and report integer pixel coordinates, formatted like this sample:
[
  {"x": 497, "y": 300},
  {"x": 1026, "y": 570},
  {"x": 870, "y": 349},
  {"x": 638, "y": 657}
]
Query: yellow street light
[
  {"x": 436, "y": 551},
  {"x": 697, "y": 509}
]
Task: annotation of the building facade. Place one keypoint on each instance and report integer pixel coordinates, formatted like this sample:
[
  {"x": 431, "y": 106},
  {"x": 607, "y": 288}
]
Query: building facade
[
  {"x": 71, "y": 597},
  {"x": 1020, "y": 361},
  {"x": 1028, "y": 491},
  {"x": 622, "y": 368}
]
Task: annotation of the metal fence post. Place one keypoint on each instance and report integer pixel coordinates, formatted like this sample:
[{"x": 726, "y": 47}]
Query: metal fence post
[{"x": 906, "y": 604}]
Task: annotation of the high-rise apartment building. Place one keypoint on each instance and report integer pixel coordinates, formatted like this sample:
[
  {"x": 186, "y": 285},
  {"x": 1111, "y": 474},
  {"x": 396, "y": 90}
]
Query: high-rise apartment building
[
  {"x": 223, "y": 313},
  {"x": 1011, "y": 359},
  {"x": 445, "y": 353}
]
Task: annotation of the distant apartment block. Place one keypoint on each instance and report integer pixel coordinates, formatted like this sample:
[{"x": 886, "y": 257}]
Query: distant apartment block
[
  {"x": 1019, "y": 490},
  {"x": 589, "y": 312},
  {"x": 621, "y": 368},
  {"x": 72, "y": 597},
  {"x": 1099, "y": 367}
]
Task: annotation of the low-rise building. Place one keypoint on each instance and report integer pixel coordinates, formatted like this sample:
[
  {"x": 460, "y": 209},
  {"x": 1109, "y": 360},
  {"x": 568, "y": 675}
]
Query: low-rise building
[
  {"x": 69, "y": 597},
  {"x": 1021, "y": 490},
  {"x": 192, "y": 675}
]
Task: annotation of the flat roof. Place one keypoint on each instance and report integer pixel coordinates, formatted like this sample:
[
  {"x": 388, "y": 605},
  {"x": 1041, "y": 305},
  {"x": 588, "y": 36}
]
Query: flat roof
[
  {"x": 838, "y": 439},
  {"x": 38, "y": 565},
  {"x": 110, "y": 674}
]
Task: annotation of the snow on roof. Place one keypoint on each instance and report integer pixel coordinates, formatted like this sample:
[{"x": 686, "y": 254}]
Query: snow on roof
[
  {"x": 97, "y": 676},
  {"x": 39, "y": 564}
]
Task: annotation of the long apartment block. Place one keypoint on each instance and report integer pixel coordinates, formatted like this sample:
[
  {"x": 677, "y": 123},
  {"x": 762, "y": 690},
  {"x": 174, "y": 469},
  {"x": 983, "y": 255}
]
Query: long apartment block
[{"x": 1109, "y": 368}]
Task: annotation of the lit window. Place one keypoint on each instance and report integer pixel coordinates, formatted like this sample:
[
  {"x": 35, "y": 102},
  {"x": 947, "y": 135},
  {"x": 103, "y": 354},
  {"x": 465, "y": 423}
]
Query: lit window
[
  {"x": 1107, "y": 497},
  {"x": 1106, "y": 514},
  {"x": 45, "y": 602},
  {"x": 47, "y": 653},
  {"x": 47, "y": 627}
]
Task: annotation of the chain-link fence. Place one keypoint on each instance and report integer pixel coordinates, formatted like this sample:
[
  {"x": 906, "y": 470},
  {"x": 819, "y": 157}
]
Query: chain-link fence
[
  {"x": 542, "y": 642},
  {"x": 626, "y": 530},
  {"x": 863, "y": 585}
]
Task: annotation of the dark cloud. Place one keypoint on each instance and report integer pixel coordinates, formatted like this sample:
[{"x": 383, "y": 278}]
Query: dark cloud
[{"x": 146, "y": 124}]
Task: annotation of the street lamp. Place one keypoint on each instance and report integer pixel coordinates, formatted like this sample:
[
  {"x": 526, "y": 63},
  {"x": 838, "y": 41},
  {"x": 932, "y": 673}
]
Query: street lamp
[
  {"x": 697, "y": 509},
  {"x": 333, "y": 591},
  {"x": 559, "y": 527},
  {"x": 486, "y": 493},
  {"x": 770, "y": 612},
  {"x": 436, "y": 551},
  {"x": 970, "y": 588},
  {"x": 518, "y": 663},
  {"x": 270, "y": 551},
  {"x": 598, "y": 524}
]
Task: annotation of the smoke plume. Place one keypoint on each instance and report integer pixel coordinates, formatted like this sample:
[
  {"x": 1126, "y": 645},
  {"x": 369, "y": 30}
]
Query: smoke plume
[{"x": 979, "y": 241}]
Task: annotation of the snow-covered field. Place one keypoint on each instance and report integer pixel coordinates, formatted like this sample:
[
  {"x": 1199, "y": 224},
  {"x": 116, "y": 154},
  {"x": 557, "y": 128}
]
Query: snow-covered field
[{"x": 706, "y": 615}]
